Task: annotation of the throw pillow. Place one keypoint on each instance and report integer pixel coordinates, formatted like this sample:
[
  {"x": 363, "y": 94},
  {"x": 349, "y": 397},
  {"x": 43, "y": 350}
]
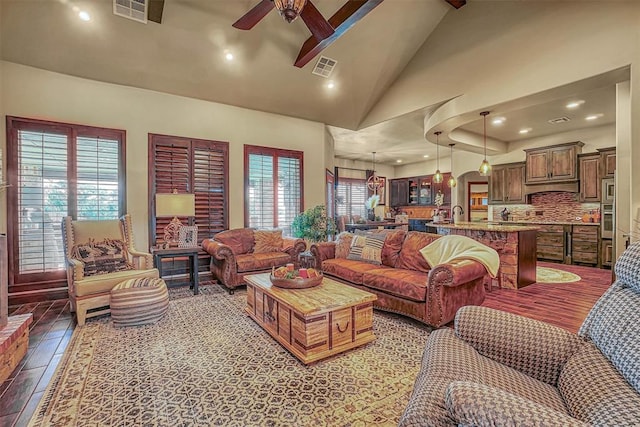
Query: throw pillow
[
  {"x": 367, "y": 248},
  {"x": 343, "y": 244},
  {"x": 267, "y": 241},
  {"x": 103, "y": 257}
]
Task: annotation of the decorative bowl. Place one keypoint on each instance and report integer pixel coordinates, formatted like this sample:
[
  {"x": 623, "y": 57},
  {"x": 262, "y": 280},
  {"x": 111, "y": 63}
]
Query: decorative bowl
[{"x": 297, "y": 283}]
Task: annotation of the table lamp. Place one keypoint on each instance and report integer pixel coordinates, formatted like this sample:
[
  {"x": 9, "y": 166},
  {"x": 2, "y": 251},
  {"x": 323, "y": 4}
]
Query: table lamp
[{"x": 174, "y": 205}]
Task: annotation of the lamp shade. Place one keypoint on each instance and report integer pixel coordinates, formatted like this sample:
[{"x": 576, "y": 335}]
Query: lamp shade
[{"x": 172, "y": 204}]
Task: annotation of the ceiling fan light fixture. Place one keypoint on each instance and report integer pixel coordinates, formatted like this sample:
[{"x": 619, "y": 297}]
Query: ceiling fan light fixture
[
  {"x": 289, "y": 9},
  {"x": 485, "y": 167}
]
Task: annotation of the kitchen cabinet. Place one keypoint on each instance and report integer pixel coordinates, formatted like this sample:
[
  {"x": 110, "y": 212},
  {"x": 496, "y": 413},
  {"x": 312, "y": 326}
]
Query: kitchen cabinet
[
  {"x": 506, "y": 184},
  {"x": 590, "y": 179},
  {"x": 607, "y": 162},
  {"x": 398, "y": 192},
  {"x": 584, "y": 244},
  {"x": 550, "y": 240},
  {"x": 557, "y": 163},
  {"x": 606, "y": 252},
  {"x": 444, "y": 188}
]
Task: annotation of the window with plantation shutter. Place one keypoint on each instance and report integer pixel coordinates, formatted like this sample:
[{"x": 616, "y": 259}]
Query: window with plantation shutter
[
  {"x": 56, "y": 170},
  {"x": 273, "y": 187},
  {"x": 195, "y": 166},
  {"x": 351, "y": 195}
]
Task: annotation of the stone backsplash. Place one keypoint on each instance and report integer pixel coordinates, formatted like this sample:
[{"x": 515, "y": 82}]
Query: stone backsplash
[{"x": 553, "y": 206}]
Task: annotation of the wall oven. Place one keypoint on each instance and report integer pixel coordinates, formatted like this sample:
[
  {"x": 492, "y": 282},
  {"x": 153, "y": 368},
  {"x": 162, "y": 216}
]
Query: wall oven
[{"x": 607, "y": 209}]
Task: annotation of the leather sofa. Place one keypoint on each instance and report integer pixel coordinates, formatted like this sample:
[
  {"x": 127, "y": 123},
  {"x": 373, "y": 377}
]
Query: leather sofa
[
  {"x": 234, "y": 254},
  {"x": 403, "y": 282},
  {"x": 497, "y": 368}
]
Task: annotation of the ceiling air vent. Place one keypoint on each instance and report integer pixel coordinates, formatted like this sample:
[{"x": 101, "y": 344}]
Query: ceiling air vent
[
  {"x": 324, "y": 66},
  {"x": 559, "y": 120},
  {"x": 132, "y": 9}
]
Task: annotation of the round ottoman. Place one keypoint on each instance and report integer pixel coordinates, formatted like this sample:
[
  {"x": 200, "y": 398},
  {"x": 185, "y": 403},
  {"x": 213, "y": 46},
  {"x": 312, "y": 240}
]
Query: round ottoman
[{"x": 138, "y": 301}]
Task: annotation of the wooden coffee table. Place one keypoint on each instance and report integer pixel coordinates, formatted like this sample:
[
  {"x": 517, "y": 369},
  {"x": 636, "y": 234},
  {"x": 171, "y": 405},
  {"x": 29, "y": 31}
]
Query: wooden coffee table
[{"x": 312, "y": 323}]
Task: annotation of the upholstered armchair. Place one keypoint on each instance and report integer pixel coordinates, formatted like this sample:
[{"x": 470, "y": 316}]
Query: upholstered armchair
[
  {"x": 499, "y": 369},
  {"x": 235, "y": 253},
  {"x": 99, "y": 255}
]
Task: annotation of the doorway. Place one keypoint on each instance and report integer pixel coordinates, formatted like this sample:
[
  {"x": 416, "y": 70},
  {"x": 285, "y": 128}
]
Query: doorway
[{"x": 478, "y": 209}]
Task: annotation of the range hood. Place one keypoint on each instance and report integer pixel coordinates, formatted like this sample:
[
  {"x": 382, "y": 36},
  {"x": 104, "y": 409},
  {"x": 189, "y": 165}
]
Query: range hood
[{"x": 570, "y": 187}]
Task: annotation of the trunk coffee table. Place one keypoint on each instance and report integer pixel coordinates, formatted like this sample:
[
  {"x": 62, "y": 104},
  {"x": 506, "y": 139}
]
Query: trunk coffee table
[{"x": 312, "y": 323}]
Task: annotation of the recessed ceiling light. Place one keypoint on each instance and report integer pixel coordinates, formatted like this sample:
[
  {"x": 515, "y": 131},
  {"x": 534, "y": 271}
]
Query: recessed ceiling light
[
  {"x": 228, "y": 56},
  {"x": 525, "y": 131},
  {"x": 575, "y": 104},
  {"x": 331, "y": 84},
  {"x": 593, "y": 117},
  {"x": 498, "y": 120},
  {"x": 84, "y": 15},
  {"x": 398, "y": 161},
  {"x": 426, "y": 156}
]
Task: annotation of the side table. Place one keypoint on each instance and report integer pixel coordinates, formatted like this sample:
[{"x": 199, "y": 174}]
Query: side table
[
  {"x": 191, "y": 253},
  {"x": 307, "y": 260}
]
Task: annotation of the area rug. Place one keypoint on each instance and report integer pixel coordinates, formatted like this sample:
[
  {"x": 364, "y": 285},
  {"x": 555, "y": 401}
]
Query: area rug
[
  {"x": 207, "y": 363},
  {"x": 553, "y": 275}
]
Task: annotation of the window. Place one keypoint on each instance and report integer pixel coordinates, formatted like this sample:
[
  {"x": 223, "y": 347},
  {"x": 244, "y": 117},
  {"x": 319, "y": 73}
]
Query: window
[
  {"x": 57, "y": 170},
  {"x": 273, "y": 187},
  {"x": 351, "y": 194},
  {"x": 195, "y": 166}
]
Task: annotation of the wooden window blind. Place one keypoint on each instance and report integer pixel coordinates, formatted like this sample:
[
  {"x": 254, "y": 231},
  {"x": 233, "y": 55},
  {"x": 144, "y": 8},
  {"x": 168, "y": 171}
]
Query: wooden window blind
[
  {"x": 351, "y": 194},
  {"x": 273, "y": 187},
  {"x": 190, "y": 166},
  {"x": 56, "y": 170}
]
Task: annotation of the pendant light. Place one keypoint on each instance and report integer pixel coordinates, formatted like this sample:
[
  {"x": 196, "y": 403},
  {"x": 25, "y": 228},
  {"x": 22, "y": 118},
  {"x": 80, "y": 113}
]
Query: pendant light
[
  {"x": 452, "y": 179},
  {"x": 374, "y": 182},
  {"x": 437, "y": 177},
  {"x": 485, "y": 167}
]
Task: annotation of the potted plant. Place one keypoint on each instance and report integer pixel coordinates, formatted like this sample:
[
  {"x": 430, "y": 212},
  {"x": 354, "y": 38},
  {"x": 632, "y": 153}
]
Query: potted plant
[
  {"x": 371, "y": 204},
  {"x": 313, "y": 225}
]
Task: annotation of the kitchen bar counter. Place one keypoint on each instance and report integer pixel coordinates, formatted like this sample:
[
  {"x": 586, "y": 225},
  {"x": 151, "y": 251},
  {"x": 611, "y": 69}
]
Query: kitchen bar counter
[
  {"x": 516, "y": 246},
  {"x": 544, "y": 222}
]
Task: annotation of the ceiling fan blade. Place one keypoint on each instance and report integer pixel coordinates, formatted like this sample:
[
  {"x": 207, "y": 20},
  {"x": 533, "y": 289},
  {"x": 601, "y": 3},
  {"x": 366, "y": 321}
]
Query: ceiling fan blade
[
  {"x": 251, "y": 18},
  {"x": 319, "y": 27}
]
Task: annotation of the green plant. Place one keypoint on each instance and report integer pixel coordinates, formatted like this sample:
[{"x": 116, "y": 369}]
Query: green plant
[{"x": 313, "y": 224}]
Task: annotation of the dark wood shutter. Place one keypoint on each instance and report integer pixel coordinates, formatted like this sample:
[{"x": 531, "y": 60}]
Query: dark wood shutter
[{"x": 190, "y": 166}]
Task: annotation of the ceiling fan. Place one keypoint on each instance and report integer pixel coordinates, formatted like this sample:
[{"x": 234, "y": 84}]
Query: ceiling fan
[{"x": 289, "y": 10}]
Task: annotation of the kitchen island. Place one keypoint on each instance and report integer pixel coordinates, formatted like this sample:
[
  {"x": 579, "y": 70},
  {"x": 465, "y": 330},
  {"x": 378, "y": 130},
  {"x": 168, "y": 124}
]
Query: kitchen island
[{"x": 515, "y": 244}]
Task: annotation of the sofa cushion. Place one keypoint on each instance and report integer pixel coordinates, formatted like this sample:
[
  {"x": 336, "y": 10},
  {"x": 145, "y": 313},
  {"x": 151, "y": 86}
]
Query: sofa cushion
[
  {"x": 627, "y": 266},
  {"x": 240, "y": 240},
  {"x": 343, "y": 245},
  {"x": 407, "y": 284},
  {"x": 267, "y": 241},
  {"x": 392, "y": 246},
  {"x": 447, "y": 359},
  {"x": 346, "y": 269},
  {"x": 367, "y": 247},
  {"x": 107, "y": 256},
  {"x": 595, "y": 392},
  {"x": 410, "y": 257},
  {"x": 90, "y": 285},
  {"x": 254, "y": 262}
]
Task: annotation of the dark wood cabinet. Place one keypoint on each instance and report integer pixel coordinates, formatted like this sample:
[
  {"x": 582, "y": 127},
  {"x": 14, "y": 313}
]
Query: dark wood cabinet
[
  {"x": 584, "y": 244},
  {"x": 506, "y": 184},
  {"x": 590, "y": 180},
  {"x": 550, "y": 241},
  {"x": 557, "y": 163},
  {"x": 398, "y": 192},
  {"x": 607, "y": 162},
  {"x": 606, "y": 252}
]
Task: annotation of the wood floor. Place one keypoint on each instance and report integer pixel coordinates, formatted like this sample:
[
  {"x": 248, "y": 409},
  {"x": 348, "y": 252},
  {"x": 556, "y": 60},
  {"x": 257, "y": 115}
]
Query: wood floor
[{"x": 565, "y": 305}]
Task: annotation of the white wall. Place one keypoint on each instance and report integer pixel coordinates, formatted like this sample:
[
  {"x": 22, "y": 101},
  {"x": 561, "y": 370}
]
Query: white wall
[{"x": 34, "y": 93}]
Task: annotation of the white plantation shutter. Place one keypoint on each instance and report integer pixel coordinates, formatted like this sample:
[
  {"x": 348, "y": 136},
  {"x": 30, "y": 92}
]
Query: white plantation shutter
[
  {"x": 273, "y": 187},
  {"x": 351, "y": 194}
]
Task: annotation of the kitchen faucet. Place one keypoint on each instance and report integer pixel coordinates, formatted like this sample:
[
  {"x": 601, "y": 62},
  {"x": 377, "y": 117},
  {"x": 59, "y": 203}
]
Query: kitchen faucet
[{"x": 453, "y": 210}]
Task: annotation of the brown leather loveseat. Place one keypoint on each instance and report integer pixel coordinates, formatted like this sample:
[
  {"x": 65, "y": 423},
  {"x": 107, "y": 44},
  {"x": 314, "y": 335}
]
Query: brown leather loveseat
[
  {"x": 241, "y": 251},
  {"x": 403, "y": 281}
]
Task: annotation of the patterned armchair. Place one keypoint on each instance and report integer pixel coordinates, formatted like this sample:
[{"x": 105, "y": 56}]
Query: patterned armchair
[
  {"x": 99, "y": 255},
  {"x": 496, "y": 368}
]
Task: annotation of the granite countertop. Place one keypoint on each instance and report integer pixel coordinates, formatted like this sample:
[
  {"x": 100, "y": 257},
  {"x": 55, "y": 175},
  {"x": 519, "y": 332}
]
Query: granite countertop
[
  {"x": 463, "y": 225},
  {"x": 546, "y": 222}
]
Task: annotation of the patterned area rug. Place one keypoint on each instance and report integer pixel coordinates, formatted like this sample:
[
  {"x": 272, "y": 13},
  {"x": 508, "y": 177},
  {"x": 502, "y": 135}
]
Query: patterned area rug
[
  {"x": 207, "y": 363},
  {"x": 553, "y": 275}
]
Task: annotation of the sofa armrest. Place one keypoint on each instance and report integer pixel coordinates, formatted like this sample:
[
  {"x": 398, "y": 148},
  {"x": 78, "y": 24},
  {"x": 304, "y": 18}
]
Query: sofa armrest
[
  {"x": 218, "y": 250},
  {"x": 141, "y": 260},
  {"x": 456, "y": 273},
  {"x": 75, "y": 270},
  {"x": 476, "y": 404},
  {"x": 322, "y": 251},
  {"x": 294, "y": 247},
  {"x": 530, "y": 346}
]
